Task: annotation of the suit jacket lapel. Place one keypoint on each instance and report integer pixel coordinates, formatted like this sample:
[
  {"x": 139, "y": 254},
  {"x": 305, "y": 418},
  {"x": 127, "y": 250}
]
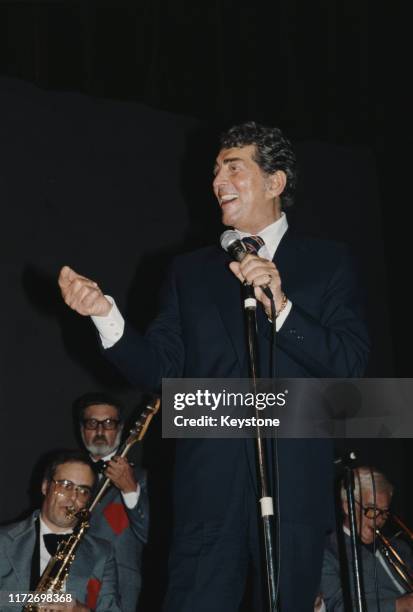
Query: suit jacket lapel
[
  {"x": 110, "y": 493},
  {"x": 282, "y": 256},
  {"x": 81, "y": 570},
  {"x": 21, "y": 551},
  {"x": 288, "y": 259},
  {"x": 225, "y": 290}
]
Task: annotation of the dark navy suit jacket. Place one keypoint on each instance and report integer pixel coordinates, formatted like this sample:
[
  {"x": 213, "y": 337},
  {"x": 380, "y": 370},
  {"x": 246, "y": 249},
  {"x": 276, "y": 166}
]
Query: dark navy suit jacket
[{"x": 199, "y": 333}]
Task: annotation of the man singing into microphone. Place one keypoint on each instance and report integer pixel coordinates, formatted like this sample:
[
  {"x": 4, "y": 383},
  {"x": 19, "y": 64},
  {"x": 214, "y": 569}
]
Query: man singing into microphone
[{"x": 199, "y": 333}]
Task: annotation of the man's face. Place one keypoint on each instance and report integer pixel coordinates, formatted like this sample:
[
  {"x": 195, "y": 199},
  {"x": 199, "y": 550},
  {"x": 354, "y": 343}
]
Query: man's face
[
  {"x": 100, "y": 441},
  {"x": 366, "y": 525},
  {"x": 60, "y": 496},
  {"x": 245, "y": 194}
]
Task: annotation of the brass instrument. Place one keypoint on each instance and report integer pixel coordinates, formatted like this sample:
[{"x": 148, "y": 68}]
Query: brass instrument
[
  {"x": 57, "y": 570},
  {"x": 397, "y": 565}
]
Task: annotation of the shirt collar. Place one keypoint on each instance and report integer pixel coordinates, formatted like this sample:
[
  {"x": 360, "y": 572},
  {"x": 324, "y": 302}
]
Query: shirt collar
[
  {"x": 46, "y": 529},
  {"x": 106, "y": 457}
]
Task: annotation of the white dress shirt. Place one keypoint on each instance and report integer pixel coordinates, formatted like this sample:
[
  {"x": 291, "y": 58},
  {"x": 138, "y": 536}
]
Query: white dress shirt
[
  {"x": 44, "y": 553},
  {"x": 111, "y": 326}
]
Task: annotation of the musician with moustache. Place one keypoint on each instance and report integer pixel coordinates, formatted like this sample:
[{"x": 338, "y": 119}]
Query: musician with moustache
[
  {"x": 199, "y": 333},
  {"x": 27, "y": 546},
  {"x": 122, "y": 516},
  {"x": 372, "y": 511}
]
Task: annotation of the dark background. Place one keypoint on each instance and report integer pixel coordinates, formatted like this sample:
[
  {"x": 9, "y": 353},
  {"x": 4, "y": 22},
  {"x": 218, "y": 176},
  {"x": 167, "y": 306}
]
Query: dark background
[{"x": 108, "y": 124}]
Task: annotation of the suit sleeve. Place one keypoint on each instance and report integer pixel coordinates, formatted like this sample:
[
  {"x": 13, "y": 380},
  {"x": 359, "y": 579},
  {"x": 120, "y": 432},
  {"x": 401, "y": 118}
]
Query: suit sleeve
[
  {"x": 139, "y": 515},
  {"x": 332, "y": 343},
  {"x": 331, "y": 590},
  {"x": 145, "y": 360}
]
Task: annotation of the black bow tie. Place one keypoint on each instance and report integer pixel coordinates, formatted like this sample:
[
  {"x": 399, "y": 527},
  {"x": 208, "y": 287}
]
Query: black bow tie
[
  {"x": 100, "y": 466},
  {"x": 52, "y": 541}
]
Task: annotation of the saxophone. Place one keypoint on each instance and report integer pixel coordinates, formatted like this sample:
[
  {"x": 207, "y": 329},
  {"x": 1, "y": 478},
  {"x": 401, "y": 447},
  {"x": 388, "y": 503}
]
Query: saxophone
[{"x": 56, "y": 571}]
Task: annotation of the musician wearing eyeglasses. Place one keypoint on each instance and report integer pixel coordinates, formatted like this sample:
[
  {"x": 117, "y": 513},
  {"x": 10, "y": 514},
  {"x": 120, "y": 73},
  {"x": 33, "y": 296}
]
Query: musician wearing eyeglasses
[
  {"x": 384, "y": 589},
  {"x": 122, "y": 517},
  {"x": 27, "y": 547}
]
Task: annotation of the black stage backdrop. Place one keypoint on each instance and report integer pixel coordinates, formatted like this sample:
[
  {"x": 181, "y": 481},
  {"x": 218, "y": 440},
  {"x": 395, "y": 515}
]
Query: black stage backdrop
[{"x": 114, "y": 189}]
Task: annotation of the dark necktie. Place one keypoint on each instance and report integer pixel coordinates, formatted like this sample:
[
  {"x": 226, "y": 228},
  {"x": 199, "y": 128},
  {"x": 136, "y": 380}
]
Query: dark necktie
[
  {"x": 52, "y": 541},
  {"x": 253, "y": 244}
]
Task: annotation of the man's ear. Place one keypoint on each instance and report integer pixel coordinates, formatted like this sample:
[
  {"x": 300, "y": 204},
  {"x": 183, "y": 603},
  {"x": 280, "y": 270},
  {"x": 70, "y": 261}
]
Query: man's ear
[
  {"x": 45, "y": 486},
  {"x": 276, "y": 183}
]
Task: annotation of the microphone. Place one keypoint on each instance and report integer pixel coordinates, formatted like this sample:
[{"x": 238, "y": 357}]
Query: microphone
[
  {"x": 345, "y": 462},
  {"x": 233, "y": 245},
  {"x": 346, "y": 459}
]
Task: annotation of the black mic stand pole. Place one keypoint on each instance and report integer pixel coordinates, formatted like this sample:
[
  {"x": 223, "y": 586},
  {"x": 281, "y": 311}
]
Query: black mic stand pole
[
  {"x": 266, "y": 501},
  {"x": 355, "y": 548}
]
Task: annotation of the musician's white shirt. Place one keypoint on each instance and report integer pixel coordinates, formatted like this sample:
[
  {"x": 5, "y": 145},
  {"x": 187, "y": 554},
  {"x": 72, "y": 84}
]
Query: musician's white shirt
[{"x": 44, "y": 553}]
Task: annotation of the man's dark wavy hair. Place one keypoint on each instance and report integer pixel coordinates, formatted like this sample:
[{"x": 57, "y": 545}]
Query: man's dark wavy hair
[
  {"x": 95, "y": 397},
  {"x": 273, "y": 151},
  {"x": 65, "y": 456}
]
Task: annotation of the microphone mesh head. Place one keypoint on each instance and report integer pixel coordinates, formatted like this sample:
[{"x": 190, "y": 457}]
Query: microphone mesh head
[{"x": 227, "y": 238}]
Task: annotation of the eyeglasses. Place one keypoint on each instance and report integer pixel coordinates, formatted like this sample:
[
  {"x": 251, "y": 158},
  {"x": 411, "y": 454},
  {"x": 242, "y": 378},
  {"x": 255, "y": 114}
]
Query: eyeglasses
[
  {"x": 372, "y": 512},
  {"x": 107, "y": 424},
  {"x": 66, "y": 487}
]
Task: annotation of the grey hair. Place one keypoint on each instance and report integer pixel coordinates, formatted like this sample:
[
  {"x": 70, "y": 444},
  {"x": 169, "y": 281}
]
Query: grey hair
[{"x": 363, "y": 480}]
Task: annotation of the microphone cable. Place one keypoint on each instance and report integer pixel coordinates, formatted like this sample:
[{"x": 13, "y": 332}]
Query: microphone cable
[{"x": 274, "y": 453}]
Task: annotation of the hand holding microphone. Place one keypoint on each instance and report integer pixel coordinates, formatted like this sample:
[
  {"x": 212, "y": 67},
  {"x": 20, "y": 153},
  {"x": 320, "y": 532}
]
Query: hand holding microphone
[{"x": 256, "y": 271}]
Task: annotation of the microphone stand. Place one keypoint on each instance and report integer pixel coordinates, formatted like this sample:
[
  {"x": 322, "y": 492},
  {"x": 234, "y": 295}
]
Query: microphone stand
[
  {"x": 355, "y": 548},
  {"x": 266, "y": 501}
]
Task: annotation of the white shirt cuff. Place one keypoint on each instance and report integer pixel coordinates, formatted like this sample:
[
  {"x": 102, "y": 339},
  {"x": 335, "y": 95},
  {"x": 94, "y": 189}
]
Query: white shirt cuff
[
  {"x": 131, "y": 499},
  {"x": 283, "y": 315},
  {"x": 111, "y": 326}
]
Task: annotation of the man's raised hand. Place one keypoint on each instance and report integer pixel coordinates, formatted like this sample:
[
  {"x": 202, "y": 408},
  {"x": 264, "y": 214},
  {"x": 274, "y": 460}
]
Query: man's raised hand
[{"x": 82, "y": 294}]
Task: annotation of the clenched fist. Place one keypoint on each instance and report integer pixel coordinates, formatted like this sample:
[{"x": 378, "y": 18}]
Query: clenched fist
[
  {"x": 121, "y": 474},
  {"x": 82, "y": 294},
  {"x": 260, "y": 272}
]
